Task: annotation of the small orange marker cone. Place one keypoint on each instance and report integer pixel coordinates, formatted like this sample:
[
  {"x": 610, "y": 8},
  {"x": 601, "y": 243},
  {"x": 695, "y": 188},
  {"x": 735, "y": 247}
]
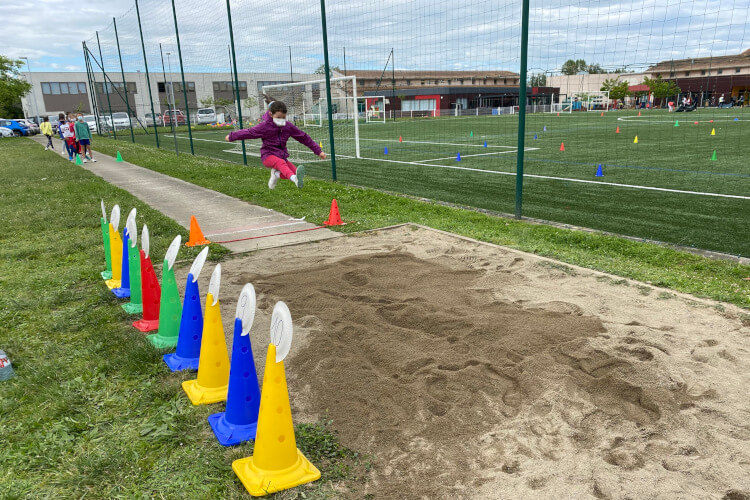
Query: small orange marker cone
[
  {"x": 400, "y": 139},
  {"x": 602, "y": 113},
  {"x": 196, "y": 235},
  {"x": 617, "y": 131},
  {"x": 562, "y": 146},
  {"x": 334, "y": 218},
  {"x": 639, "y": 113},
  {"x": 558, "y": 114}
]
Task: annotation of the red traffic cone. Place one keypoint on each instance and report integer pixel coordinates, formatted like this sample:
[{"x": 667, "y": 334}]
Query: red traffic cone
[
  {"x": 400, "y": 139},
  {"x": 334, "y": 218},
  {"x": 562, "y": 146},
  {"x": 150, "y": 296},
  {"x": 617, "y": 131},
  {"x": 558, "y": 114},
  {"x": 196, "y": 235}
]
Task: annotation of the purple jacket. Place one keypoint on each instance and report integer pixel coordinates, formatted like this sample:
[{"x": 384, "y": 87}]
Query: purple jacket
[{"x": 275, "y": 137}]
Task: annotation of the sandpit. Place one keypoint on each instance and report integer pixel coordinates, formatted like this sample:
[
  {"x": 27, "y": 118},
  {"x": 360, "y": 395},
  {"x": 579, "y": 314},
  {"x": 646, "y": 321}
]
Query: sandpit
[{"x": 467, "y": 370}]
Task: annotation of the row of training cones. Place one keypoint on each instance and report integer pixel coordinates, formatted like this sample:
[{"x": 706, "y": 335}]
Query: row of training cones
[{"x": 250, "y": 414}]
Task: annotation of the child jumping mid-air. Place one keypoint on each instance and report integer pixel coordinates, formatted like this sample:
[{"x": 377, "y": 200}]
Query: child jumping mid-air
[{"x": 275, "y": 131}]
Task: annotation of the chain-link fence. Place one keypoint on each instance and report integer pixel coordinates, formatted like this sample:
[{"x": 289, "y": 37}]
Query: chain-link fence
[{"x": 634, "y": 119}]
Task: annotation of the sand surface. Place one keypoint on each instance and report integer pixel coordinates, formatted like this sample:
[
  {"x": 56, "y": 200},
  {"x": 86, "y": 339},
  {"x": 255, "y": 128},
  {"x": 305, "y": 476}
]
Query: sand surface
[{"x": 468, "y": 370}]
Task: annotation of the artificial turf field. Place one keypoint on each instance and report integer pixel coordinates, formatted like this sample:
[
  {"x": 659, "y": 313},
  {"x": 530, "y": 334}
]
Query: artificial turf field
[{"x": 698, "y": 202}]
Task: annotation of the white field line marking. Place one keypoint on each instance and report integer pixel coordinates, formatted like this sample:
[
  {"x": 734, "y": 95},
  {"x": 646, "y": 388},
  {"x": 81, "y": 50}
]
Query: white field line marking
[
  {"x": 478, "y": 154},
  {"x": 648, "y": 119},
  {"x": 438, "y": 143},
  {"x": 548, "y": 177},
  {"x": 258, "y": 228}
]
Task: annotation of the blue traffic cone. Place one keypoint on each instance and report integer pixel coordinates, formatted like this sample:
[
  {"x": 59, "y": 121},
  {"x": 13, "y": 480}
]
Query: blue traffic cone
[
  {"x": 736, "y": 119},
  {"x": 240, "y": 420},
  {"x": 191, "y": 330},
  {"x": 535, "y": 137},
  {"x": 599, "y": 172},
  {"x": 124, "y": 291},
  {"x": 385, "y": 151},
  {"x": 485, "y": 144},
  {"x": 458, "y": 157},
  {"x": 545, "y": 128}
]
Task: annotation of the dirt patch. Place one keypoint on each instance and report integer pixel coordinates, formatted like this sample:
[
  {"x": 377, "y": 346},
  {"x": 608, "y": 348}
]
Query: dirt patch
[{"x": 472, "y": 371}]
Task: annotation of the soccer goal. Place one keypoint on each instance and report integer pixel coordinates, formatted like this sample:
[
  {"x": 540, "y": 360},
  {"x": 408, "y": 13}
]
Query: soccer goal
[
  {"x": 583, "y": 101},
  {"x": 307, "y": 107},
  {"x": 374, "y": 109}
]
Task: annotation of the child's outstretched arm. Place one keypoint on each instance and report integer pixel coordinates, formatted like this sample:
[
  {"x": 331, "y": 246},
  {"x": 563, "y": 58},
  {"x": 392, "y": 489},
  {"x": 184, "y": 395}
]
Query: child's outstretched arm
[
  {"x": 304, "y": 139},
  {"x": 244, "y": 134}
]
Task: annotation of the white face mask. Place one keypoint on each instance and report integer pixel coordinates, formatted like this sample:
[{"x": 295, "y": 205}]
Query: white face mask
[{"x": 280, "y": 121}]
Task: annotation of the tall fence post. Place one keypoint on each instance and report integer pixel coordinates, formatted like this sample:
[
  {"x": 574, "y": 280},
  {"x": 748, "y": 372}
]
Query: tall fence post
[
  {"x": 92, "y": 87},
  {"x": 124, "y": 83},
  {"x": 236, "y": 78},
  {"x": 105, "y": 87},
  {"x": 169, "y": 106},
  {"x": 182, "y": 72},
  {"x": 522, "y": 107},
  {"x": 328, "y": 88},
  {"x": 148, "y": 80}
]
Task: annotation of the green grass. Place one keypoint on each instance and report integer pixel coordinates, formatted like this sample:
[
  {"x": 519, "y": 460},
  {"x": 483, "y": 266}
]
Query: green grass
[
  {"x": 667, "y": 157},
  {"x": 658, "y": 265},
  {"x": 93, "y": 410}
]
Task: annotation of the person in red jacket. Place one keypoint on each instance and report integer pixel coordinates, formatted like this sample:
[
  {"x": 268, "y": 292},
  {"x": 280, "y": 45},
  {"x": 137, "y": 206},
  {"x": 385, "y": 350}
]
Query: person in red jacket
[{"x": 68, "y": 131}]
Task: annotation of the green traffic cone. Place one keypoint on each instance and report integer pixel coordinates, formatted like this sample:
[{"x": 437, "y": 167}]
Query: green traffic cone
[
  {"x": 135, "y": 306},
  {"x": 106, "y": 275},
  {"x": 170, "y": 311},
  {"x": 471, "y": 134},
  {"x": 676, "y": 123},
  {"x": 713, "y": 156},
  {"x": 119, "y": 157},
  {"x": 78, "y": 160}
]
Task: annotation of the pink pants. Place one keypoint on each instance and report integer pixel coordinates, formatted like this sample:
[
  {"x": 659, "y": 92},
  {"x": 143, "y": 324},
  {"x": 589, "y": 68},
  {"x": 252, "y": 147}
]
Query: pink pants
[{"x": 286, "y": 167}]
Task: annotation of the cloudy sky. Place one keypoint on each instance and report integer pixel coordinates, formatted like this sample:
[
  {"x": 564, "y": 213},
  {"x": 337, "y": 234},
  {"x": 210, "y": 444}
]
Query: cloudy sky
[{"x": 477, "y": 35}]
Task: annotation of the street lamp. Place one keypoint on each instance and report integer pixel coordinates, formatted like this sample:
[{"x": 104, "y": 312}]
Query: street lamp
[{"x": 33, "y": 100}]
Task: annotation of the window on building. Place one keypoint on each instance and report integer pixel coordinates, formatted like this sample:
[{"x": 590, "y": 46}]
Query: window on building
[
  {"x": 737, "y": 70},
  {"x": 46, "y": 89},
  {"x": 687, "y": 73},
  {"x": 161, "y": 86},
  {"x": 55, "y": 88},
  {"x": 81, "y": 88},
  {"x": 720, "y": 72},
  {"x": 422, "y": 82},
  {"x": 418, "y": 105},
  {"x": 408, "y": 82},
  {"x": 703, "y": 72}
]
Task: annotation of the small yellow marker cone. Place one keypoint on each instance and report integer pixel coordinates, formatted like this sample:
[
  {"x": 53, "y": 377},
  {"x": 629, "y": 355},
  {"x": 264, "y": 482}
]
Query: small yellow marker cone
[
  {"x": 635, "y": 141},
  {"x": 713, "y": 131}
]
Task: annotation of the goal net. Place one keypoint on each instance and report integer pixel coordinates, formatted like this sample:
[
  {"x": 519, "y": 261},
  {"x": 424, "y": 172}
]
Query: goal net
[
  {"x": 582, "y": 101},
  {"x": 374, "y": 107},
  {"x": 307, "y": 108}
]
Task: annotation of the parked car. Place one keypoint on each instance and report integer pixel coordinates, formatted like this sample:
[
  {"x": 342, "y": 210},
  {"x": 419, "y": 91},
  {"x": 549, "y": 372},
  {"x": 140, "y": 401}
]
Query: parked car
[
  {"x": 121, "y": 120},
  {"x": 32, "y": 127},
  {"x": 179, "y": 117},
  {"x": 206, "y": 115},
  {"x": 6, "y": 132},
  {"x": 90, "y": 120},
  {"x": 15, "y": 126},
  {"x": 150, "y": 120}
]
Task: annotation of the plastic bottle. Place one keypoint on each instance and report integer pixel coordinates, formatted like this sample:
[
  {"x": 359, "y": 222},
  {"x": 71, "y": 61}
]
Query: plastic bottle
[{"x": 6, "y": 369}]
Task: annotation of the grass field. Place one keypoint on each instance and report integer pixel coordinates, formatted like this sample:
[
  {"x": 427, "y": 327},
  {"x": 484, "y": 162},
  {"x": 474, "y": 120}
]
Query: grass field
[{"x": 664, "y": 188}]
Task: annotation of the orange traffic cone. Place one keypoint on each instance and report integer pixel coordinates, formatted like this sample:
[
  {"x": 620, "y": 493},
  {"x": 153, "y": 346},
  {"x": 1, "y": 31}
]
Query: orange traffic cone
[
  {"x": 617, "y": 131},
  {"x": 639, "y": 113},
  {"x": 558, "y": 114},
  {"x": 400, "y": 139},
  {"x": 196, "y": 235},
  {"x": 562, "y": 146},
  {"x": 334, "y": 218},
  {"x": 602, "y": 113}
]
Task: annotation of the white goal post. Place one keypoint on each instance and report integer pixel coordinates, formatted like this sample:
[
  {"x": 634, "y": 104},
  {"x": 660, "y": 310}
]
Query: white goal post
[
  {"x": 582, "y": 101},
  {"x": 307, "y": 107},
  {"x": 374, "y": 108}
]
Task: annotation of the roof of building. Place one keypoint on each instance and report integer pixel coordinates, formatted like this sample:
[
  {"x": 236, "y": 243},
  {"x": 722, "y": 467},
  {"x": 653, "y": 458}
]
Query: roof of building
[
  {"x": 742, "y": 59},
  {"x": 456, "y": 90},
  {"x": 430, "y": 74}
]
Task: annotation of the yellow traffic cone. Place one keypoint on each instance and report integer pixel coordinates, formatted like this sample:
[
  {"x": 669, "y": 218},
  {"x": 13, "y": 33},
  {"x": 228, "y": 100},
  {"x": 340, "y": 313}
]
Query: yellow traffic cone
[
  {"x": 635, "y": 141},
  {"x": 213, "y": 366},
  {"x": 115, "y": 247},
  {"x": 713, "y": 131},
  {"x": 276, "y": 463}
]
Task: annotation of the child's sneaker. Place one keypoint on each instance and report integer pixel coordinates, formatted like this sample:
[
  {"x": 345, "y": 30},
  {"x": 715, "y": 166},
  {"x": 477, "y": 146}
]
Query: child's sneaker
[
  {"x": 85, "y": 160},
  {"x": 93, "y": 160},
  {"x": 46, "y": 148},
  {"x": 300, "y": 177},
  {"x": 275, "y": 174}
]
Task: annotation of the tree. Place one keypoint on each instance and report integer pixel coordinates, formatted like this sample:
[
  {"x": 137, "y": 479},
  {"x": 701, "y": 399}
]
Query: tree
[
  {"x": 538, "y": 80},
  {"x": 618, "y": 89},
  {"x": 661, "y": 88},
  {"x": 250, "y": 102},
  {"x": 207, "y": 102},
  {"x": 570, "y": 67},
  {"x": 595, "y": 69},
  {"x": 322, "y": 69},
  {"x": 12, "y": 87}
]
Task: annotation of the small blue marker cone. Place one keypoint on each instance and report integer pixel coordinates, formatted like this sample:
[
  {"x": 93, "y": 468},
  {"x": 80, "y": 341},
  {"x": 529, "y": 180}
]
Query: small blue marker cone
[
  {"x": 599, "y": 171},
  {"x": 736, "y": 119},
  {"x": 240, "y": 420},
  {"x": 191, "y": 331},
  {"x": 124, "y": 291},
  {"x": 485, "y": 144},
  {"x": 535, "y": 137},
  {"x": 385, "y": 151},
  {"x": 545, "y": 128},
  {"x": 458, "y": 157}
]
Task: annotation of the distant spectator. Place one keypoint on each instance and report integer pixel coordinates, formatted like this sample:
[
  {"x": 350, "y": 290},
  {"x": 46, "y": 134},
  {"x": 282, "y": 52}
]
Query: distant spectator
[{"x": 46, "y": 129}]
